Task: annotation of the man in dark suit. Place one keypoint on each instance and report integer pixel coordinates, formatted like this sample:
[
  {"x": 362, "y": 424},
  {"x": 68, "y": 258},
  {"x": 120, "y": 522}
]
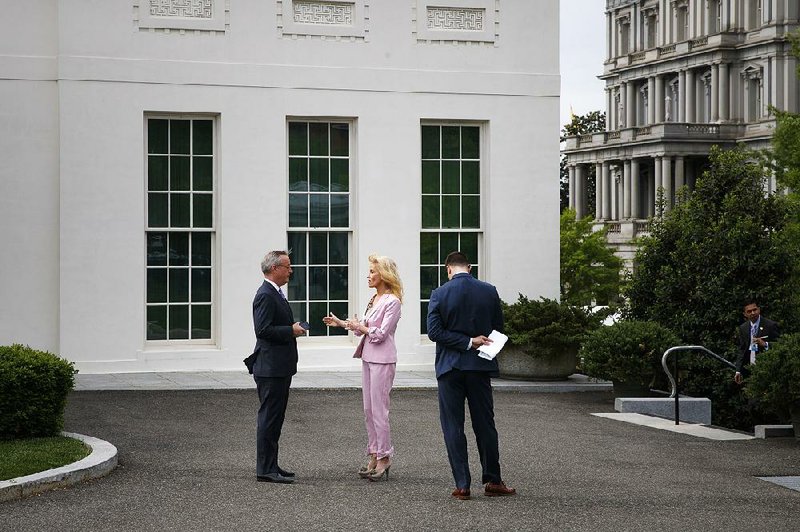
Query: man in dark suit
[
  {"x": 273, "y": 363},
  {"x": 461, "y": 315},
  {"x": 755, "y": 335}
]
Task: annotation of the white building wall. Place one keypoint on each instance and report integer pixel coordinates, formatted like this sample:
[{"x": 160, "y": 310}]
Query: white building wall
[{"x": 110, "y": 75}]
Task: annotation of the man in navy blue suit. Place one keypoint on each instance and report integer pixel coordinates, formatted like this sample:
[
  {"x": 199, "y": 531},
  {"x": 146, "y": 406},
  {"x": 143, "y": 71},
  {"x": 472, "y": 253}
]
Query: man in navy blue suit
[
  {"x": 461, "y": 315},
  {"x": 273, "y": 363}
]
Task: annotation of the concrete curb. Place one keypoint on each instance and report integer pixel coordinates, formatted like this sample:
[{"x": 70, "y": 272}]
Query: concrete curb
[{"x": 100, "y": 462}]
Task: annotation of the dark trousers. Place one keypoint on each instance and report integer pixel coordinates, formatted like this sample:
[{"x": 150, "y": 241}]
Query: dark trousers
[
  {"x": 273, "y": 392},
  {"x": 475, "y": 387}
]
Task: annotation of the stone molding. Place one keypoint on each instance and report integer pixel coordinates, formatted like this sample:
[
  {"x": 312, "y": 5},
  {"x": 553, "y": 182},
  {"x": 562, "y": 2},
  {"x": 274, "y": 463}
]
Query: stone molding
[
  {"x": 456, "y": 21},
  {"x": 181, "y": 16},
  {"x": 335, "y": 19}
]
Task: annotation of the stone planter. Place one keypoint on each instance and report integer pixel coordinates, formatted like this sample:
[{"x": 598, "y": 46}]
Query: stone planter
[{"x": 547, "y": 365}]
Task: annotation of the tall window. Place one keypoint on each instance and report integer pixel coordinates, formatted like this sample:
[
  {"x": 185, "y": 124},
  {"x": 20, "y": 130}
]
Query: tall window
[
  {"x": 180, "y": 228},
  {"x": 682, "y": 23},
  {"x": 319, "y": 221},
  {"x": 754, "y": 14},
  {"x": 451, "y": 218},
  {"x": 624, "y": 36},
  {"x": 714, "y": 16}
]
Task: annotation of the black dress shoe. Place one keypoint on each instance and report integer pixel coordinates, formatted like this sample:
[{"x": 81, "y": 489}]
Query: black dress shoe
[
  {"x": 274, "y": 477},
  {"x": 284, "y": 473}
]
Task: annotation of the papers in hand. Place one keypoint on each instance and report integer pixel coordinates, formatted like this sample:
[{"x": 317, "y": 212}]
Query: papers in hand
[{"x": 489, "y": 351}]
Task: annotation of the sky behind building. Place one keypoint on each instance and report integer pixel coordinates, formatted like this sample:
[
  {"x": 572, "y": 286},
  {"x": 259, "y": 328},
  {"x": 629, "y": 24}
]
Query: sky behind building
[{"x": 582, "y": 50}]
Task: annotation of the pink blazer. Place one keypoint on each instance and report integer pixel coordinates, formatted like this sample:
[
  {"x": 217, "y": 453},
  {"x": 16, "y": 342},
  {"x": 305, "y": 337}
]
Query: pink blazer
[{"x": 378, "y": 344}]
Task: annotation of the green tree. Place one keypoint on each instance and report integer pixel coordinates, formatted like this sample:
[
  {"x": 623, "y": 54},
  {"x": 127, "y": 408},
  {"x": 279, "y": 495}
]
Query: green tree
[
  {"x": 579, "y": 125},
  {"x": 589, "y": 269},
  {"x": 785, "y": 153},
  {"x": 724, "y": 242}
]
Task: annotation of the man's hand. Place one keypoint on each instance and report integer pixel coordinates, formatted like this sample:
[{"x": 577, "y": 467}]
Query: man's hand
[
  {"x": 737, "y": 378},
  {"x": 760, "y": 341},
  {"x": 479, "y": 341},
  {"x": 297, "y": 330}
]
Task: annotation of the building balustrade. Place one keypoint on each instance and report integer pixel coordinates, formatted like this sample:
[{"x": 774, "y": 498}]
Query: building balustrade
[
  {"x": 664, "y": 131},
  {"x": 697, "y": 43},
  {"x": 638, "y": 56},
  {"x": 666, "y": 50}
]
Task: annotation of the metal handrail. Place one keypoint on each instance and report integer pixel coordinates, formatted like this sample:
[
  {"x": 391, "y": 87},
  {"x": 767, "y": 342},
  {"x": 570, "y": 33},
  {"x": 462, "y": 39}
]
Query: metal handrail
[{"x": 672, "y": 380}]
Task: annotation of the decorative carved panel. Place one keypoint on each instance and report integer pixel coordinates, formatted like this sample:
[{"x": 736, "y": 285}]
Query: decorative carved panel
[
  {"x": 333, "y": 13},
  {"x": 448, "y": 18},
  {"x": 324, "y": 19},
  {"x": 456, "y": 21},
  {"x": 201, "y": 9},
  {"x": 182, "y": 16}
]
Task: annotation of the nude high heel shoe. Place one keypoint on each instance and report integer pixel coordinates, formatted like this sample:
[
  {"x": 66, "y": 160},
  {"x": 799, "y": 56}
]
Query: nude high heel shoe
[
  {"x": 380, "y": 473},
  {"x": 367, "y": 470}
]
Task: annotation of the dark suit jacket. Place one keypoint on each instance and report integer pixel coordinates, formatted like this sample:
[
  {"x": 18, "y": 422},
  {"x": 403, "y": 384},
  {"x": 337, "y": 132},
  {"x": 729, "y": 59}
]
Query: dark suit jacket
[
  {"x": 459, "y": 310},
  {"x": 275, "y": 354},
  {"x": 766, "y": 328}
]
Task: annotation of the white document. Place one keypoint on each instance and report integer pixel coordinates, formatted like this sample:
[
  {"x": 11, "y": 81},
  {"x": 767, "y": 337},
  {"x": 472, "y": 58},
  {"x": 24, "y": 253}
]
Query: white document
[{"x": 489, "y": 351}]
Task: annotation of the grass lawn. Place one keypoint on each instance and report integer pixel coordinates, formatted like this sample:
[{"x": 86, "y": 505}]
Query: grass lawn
[{"x": 24, "y": 457}]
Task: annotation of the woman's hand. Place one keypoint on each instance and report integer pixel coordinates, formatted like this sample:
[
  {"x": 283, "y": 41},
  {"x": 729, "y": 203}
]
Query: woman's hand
[{"x": 333, "y": 321}]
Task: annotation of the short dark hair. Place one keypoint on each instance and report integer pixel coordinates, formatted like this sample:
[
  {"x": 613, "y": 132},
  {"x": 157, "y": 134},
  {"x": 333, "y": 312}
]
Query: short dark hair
[
  {"x": 456, "y": 258},
  {"x": 750, "y": 301}
]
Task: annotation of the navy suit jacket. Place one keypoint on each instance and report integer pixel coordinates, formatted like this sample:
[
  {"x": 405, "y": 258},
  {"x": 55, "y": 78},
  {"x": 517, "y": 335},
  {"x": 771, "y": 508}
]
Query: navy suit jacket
[
  {"x": 459, "y": 310},
  {"x": 766, "y": 328},
  {"x": 275, "y": 354}
]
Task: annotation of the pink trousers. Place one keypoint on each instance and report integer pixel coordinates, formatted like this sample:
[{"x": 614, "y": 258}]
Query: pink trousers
[{"x": 376, "y": 383}]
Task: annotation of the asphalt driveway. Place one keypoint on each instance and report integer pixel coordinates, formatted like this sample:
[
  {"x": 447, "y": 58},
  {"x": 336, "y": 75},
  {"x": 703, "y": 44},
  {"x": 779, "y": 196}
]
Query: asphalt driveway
[{"x": 187, "y": 462}]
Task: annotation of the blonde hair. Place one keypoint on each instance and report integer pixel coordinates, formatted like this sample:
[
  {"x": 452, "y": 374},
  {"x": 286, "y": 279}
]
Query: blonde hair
[{"x": 387, "y": 269}]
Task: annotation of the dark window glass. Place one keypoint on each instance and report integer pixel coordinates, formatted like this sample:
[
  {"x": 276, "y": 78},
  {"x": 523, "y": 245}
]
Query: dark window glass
[
  {"x": 430, "y": 142},
  {"x": 451, "y": 211},
  {"x": 450, "y": 177},
  {"x": 340, "y": 310},
  {"x": 317, "y": 311},
  {"x": 340, "y": 175},
  {"x": 428, "y": 280},
  {"x": 318, "y": 282},
  {"x": 298, "y": 210},
  {"x": 298, "y": 174},
  {"x": 179, "y": 173},
  {"x": 178, "y": 285},
  {"x": 429, "y": 248},
  {"x": 318, "y": 175},
  {"x": 298, "y": 138},
  {"x": 297, "y": 284},
  {"x": 179, "y": 249},
  {"x": 203, "y": 139},
  {"x": 157, "y": 172},
  {"x": 430, "y": 177},
  {"x": 339, "y": 140},
  {"x": 318, "y": 138},
  {"x": 340, "y": 210},
  {"x": 178, "y": 322},
  {"x": 157, "y": 285},
  {"x": 470, "y": 177},
  {"x": 448, "y": 242},
  {"x": 203, "y": 176},
  {"x": 157, "y": 322},
  {"x": 297, "y": 246},
  {"x": 471, "y": 212},
  {"x": 201, "y": 249},
  {"x": 179, "y": 136},
  {"x": 201, "y": 285},
  {"x": 470, "y": 142},
  {"x": 430, "y": 211},
  {"x": 423, "y": 315},
  {"x": 338, "y": 282},
  {"x": 179, "y": 210},
  {"x": 156, "y": 249},
  {"x": 338, "y": 248},
  {"x": 318, "y": 206},
  {"x": 202, "y": 210},
  {"x": 318, "y": 248},
  {"x": 201, "y": 321},
  {"x": 157, "y": 209},
  {"x": 157, "y": 136},
  {"x": 469, "y": 245},
  {"x": 451, "y": 142}
]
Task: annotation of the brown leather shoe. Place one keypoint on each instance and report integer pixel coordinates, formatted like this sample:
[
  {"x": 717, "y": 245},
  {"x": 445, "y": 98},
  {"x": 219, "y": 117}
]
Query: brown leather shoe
[
  {"x": 461, "y": 494},
  {"x": 498, "y": 489}
]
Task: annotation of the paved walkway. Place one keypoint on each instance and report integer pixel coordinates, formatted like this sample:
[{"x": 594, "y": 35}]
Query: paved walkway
[{"x": 305, "y": 380}]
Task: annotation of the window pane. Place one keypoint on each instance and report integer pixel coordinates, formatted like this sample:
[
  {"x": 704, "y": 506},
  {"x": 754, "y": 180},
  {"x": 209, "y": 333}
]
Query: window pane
[
  {"x": 340, "y": 215},
  {"x": 201, "y": 321},
  {"x": 179, "y": 173},
  {"x": 340, "y": 309},
  {"x": 179, "y": 210},
  {"x": 178, "y": 285},
  {"x": 297, "y": 284},
  {"x": 202, "y": 137},
  {"x": 338, "y": 248},
  {"x": 339, "y": 140},
  {"x": 202, "y": 210},
  {"x": 319, "y": 248},
  {"x": 298, "y": 210},
  {"x": 298, "y": 173},
  {"x": 157, "y": 285},
  {"x": 298, "y": 311},
  {"x": 470, "y": 142},
  {"x": 318, "y": 174},
  {"x": 451, "y": 211},
  {"x": 471, "y": 211},
  {"x": 157, "y": 137},
  {"x": 430, "y": 211},
  {"x": 423, "y": 317},
  {"x": 428, "y": 280},
  {"x": 179, "y": 249},
  {"x": 179, "y": 136},
  {"x": 156, "y": 249},
  {"x": 157, "y": 210},
  {"x": 469, "y": 245},
  {"x": 318, "y": 283},
  {"x": 297, "y": 246},
  {"x": 430, "y": 142},
  {"x": 338, "y": 282},
  {"x": 430, "y": 177},
  {"x": 450, "y": 177},
  {"x": 157, "y": 323},
  {"x": 448, "y": 242},
  {"x": 201, "y": 285},
  {"x": 317, "y": 312},
  {"x": 474, "y": 272},
  {"x": 319, "y": 210},
  {"x": 429, "y": 248},
  {"x": 340, "y": 175},
  {"x": 201, "y": 249},
  {"x": 179, "y": 322},
  {"x": 450, "y": 142},
  {"x": 298, "y": 138},
  {"x": 203, "y": 177},
  {"x": 157, "y": 172},
  {"x": 470, "y": 177},
  {"x": 318, "y": 138}
]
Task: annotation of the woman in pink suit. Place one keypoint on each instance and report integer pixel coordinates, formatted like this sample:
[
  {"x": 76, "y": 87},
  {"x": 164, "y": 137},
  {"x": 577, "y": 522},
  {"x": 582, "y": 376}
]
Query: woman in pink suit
[{"x": 378, "y": 355}]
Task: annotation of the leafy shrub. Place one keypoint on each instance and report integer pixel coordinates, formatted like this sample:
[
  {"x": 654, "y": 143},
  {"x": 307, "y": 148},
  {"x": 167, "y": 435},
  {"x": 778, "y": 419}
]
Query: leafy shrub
[
  {"x": 775, "y": 378},
  {"x": 627, "y": 352},
  {"x": 545, "y": 325},
  {"x": 33, "y": 392}
]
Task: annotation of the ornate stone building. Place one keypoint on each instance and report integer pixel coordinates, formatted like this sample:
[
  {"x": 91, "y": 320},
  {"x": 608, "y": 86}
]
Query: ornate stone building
[{"x": 681, "y": 76}]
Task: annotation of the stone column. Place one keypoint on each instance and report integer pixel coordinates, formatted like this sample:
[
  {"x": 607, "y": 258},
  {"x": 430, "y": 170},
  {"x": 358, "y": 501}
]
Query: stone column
[
  {"x": 659, "y": 99},
  {"x": 714, "y": 93},
  {"x": 689, "y": 97},
  {"x": 606, "y": 188},
  {"x": 580, "y": 190},
  {"x": 679, "y": 173},
  {"x": 630, "y": 104},
  {"x": 626, "y": 190},
  {"x": 635, "y": 209},
  {"x": 657, "y": 182},
  {"x": 666, "y": 180},
  {"x": 652, "y": 102},
  {"x": 571, "y": 185},
  {"x": 598, "y": 191},
  {"x": 724, "y": 93}
]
